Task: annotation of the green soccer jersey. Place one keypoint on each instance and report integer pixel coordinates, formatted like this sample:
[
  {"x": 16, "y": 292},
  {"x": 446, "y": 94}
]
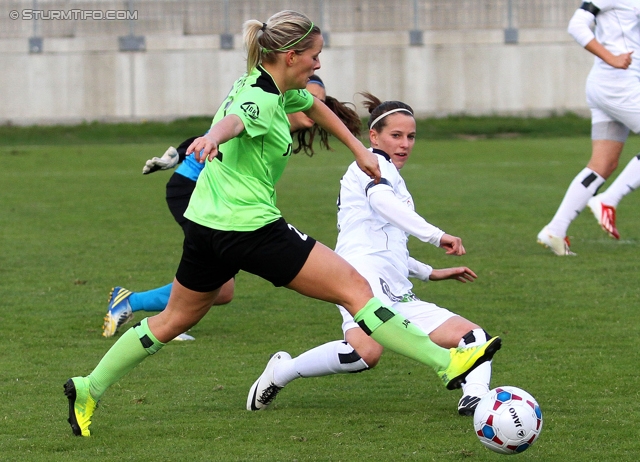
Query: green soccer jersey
[{"x": 236, "y": 191}]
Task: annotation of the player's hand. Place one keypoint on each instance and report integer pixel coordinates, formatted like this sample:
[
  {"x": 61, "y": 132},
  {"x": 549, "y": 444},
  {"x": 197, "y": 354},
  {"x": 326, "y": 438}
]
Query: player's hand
[
  {"x": 452, "y": 244},
  {"x": 461, "y": 273},
  {"x": 204, "y": 147},
  {"x": 168, "y": 160},
  {"x": 622, "y": 61},
  {"x": 368, "y": 163}
]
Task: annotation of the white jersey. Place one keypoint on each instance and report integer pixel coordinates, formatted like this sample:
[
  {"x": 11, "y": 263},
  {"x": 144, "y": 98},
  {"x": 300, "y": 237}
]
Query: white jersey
[
  {"x": 617, "y": 28},
  {"x": 613, "y": 95},
  {"x": 378, "y": 249},
  {"x": 361, "y": 230},
  {"x": 367, "y": 240}
]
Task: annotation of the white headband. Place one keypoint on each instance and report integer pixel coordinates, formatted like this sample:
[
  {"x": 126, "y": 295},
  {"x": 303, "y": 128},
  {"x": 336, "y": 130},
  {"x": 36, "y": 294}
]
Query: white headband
[{"x": 380, "y": 117}]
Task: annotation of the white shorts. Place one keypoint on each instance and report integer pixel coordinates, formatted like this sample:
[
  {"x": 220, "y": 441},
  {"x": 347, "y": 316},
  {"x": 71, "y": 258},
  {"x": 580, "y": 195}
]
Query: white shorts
[
  {"x": 427, "y": 316},
  {"x": 615, "y": 100}
]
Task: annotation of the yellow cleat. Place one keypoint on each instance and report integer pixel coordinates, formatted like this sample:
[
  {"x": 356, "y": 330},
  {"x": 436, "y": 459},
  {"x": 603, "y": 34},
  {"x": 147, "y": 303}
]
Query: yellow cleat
[
  {"x": 464, "y": 360},
  {"x": 81, "y": 405}
]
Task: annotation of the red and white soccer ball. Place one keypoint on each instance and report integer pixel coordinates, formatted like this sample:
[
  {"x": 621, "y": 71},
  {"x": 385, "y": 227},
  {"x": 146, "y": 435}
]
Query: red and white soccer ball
[{"x": 507, "y": 420}]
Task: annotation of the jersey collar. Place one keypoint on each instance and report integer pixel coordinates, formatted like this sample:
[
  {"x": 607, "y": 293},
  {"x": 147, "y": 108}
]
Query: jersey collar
[
  {"x": 267, "y": 82},
  {"x": 380, "y": 152}
]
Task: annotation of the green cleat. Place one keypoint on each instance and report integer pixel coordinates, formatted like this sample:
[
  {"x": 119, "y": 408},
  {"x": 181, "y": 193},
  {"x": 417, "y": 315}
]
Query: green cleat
[
  {"x": 81, "y": 405},
  {"x": 464, "y": 360}
]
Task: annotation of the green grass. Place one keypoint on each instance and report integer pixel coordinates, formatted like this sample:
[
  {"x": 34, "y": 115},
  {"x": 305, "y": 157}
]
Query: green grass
[
  {"x": 175, "y": 131},
  {"x": 78, "y": 218}
]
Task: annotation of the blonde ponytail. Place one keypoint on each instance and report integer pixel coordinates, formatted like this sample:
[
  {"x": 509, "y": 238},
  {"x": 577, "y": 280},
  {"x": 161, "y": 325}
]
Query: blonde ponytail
[{"x": 284, "y": 31}]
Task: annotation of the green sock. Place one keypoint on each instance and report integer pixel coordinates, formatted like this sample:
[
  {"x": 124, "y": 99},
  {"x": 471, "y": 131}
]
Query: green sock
[
  {"x": 391, "y": 330},
  {"x": 130, "y": 350}
]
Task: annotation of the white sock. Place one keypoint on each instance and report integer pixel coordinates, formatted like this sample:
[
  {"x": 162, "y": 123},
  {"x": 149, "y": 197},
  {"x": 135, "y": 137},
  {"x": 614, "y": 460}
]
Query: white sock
[
  {"x": 337, "y": 357},
  {"x": 583, "y": 187},
  {"x": 477, "y": 382},
  {"x": 627, "y": 181}
]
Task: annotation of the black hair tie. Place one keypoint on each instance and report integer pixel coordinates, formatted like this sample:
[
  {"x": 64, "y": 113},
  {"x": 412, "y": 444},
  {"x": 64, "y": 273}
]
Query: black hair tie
[{"x": 264, "y": 27}]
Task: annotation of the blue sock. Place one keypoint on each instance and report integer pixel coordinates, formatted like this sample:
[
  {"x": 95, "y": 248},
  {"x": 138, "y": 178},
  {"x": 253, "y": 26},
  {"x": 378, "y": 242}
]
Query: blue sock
[{"x": 151, "y": 300}]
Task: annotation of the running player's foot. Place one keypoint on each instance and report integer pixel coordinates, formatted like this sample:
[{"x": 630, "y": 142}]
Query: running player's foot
[
  {"x": 464, "y": 360},
  {"x": 264, "y": 390},
  {"x": 81, "y": 405},
  {"x": 606, "y": 216},
  {"x": 184, "y": 337},
  {"x": 119, "y": 311},
  {"x": 558, "y": 245},
  {"x": 468, "y": 404}
]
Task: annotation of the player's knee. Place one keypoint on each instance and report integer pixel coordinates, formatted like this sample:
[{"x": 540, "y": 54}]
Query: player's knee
[
  {"x": 226, "y": 294},
  {"x": 370, "y": 353},
  {"x": 360, "y": 286},
  {"x": 223, "y": 298},
  {"x": 350, "y": 360},
  {"x": 368, "y": 349}
]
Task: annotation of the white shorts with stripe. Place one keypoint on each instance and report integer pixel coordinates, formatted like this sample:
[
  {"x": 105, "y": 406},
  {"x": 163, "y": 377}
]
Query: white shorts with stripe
[{"x": 394, "y": 290}]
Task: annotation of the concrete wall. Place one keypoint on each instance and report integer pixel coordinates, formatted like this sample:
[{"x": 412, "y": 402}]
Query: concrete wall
[{"x": 470, "y": 72}]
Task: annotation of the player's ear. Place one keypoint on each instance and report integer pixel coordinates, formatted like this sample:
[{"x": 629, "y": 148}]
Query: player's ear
[
  {"x": 373, "y": 137},
  {"x": 290, "y": 57}
]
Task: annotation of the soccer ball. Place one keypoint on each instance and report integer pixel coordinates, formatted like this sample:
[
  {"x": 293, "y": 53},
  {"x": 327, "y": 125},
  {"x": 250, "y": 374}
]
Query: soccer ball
[{"x": 507, "y": 420}]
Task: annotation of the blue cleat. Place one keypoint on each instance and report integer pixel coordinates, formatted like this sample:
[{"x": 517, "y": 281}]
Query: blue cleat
[{"x": 119, "y": 312}]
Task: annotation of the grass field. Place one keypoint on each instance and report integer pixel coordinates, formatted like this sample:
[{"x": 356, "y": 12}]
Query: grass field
[{"x": 77, "y": 218}]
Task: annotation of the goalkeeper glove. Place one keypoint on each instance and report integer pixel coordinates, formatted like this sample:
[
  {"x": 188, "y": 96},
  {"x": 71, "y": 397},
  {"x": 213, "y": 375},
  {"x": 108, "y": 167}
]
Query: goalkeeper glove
[{"x": 168, "y": 160}]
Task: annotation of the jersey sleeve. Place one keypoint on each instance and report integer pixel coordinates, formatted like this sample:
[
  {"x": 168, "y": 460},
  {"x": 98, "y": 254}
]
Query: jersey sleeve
[
  {"x": 387, "y": 177},
  {"x": 388, "y": 206},
  {"x": 581, "y": 26},
  {"x": 419, "y": 270},
  {"x": 297, "y": 100},
  {"x": 255, "y": 108}
]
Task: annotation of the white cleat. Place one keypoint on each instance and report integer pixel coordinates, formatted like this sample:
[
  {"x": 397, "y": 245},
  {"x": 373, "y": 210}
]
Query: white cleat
[
  {"x": 606, "y": 216},
  {"x": 558, "y": 245},
  {"x": 264, "y": 390},
  {"x": 184, "y": 337}
]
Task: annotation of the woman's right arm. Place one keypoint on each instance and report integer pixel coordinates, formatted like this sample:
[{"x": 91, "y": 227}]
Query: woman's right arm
[
  {"x": 206, "y": 147},
  {"x": 580, "y": 28},
  {"x": 323, "y": 116}
]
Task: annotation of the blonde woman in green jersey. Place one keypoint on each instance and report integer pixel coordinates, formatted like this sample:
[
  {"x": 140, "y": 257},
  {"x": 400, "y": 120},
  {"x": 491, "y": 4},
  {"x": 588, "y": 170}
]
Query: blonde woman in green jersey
[
  {"x": 123, "y": 303},
  {"x": 235, "y": 224}
]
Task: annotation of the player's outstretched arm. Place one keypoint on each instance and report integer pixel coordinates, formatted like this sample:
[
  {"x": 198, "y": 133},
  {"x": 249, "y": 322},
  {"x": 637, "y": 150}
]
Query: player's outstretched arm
[
  {"x": 460, "y": 273},
  {"x": 323, "y": 116},
  {"x": 388, "y": 206}
]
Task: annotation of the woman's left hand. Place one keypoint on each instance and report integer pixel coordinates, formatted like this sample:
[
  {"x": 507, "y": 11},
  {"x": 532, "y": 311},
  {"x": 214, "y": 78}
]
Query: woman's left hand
[{"x": 461, "y": 273}]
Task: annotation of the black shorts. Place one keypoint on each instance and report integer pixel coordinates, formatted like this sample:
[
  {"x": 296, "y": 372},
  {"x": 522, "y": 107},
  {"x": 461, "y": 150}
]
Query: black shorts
[
  {"x": 179, "y": 190},
  {"x": 276, "y": 252}
]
